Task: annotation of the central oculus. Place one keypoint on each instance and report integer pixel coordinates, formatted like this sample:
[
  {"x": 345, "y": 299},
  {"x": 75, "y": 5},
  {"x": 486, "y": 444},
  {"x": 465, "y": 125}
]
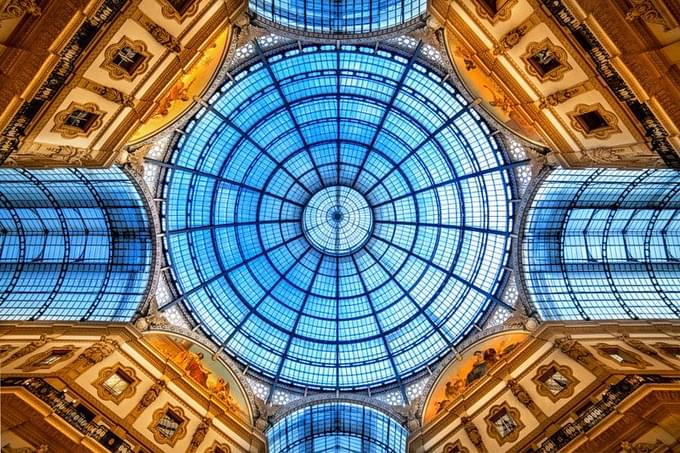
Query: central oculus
[{"x": 337, "y": 221}]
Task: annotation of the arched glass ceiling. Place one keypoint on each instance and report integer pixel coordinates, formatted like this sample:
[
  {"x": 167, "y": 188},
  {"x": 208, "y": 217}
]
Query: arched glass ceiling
[
  {"x": 604, "y": 244},
  {"x": 395, "y": 150},
  {"x": 75, "y": 244},
  {"x": 337, "y": 427},
  {"x": 339, "y": 17}
]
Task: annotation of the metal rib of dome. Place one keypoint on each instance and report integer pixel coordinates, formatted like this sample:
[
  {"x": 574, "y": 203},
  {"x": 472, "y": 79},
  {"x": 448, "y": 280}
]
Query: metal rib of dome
[{"x": 394, "y": 135}]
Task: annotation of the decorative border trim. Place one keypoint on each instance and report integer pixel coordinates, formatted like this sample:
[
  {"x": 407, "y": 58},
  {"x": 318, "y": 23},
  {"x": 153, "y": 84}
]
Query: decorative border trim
[
  {"x": 602, "y": 60},
  {"x": 170, "y": 12},
  {"x": 67, "y": 131},
  {"x": 491, "y": 428},
  {"x": 602, "y": 133},
  {"x": 502, "y": 15},
  {"x": 456, "y": 447},
  {"x": 115, "y": 71},
  {"x": 564, "y": 371},
  {"x": 639, "y": 364},
  {"x": 106, "y": 373},
  {"x": 559, "y": 53},
  {"x": 217, "y": 445},
  {"x": 32, "y": 365},
  {"x": 181, "y": 428}
]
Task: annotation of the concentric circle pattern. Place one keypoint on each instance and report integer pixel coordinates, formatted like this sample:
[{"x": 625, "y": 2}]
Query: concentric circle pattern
[
  {"x": 337, "y": 221},
  {"x": 365, "y": 311}
]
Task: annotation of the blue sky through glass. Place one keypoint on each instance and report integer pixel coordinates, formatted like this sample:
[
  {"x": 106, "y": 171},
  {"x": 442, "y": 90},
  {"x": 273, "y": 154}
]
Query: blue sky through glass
[{"x": 291, "y": 125}]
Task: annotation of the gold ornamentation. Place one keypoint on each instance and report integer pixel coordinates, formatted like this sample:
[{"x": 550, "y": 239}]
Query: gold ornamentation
[
  {"x": 106, "y": 373},
  {"x": 546, "y": 61},
  {"x": 126, "y": 59},
  {"x": 78, "y": 120},
  {"x": 576, "y": 351},
  {"x": 593, "y": 121},
  {"x": 218, "y": 448},
  {"x": 38, "y": 361},
  {"x": 648, "y": 12},
  {"x": 561, "y": 96},
  {"x": 108, "y": 93},
  {"x": 7, "y": 448},
  {"x": 199, "y": 435},
  {"x": 5, "y": 348},
  {"x": 160, "y": 34},
  {"x": 455, "y": 447},
  {"x": 523, "y": 397},
  {"x": 28, "y": 349},
  {"x": 544, "y": 390},
  {"x": 621, "y": 356},
  {"x": 499, "y": 12},
  {"x": 473, "y": 434},
  {"x": 656, "y": 447},
  {"x": 17, "y": 8},
  {"x": 93, "y": 354},
  {"x": 669, "y": 350},
  {"x": 512, "y": 38},
  {"x": 171, "y": 12},
  {"x": 149, "y": 397},
  {"x": 507, "y": 416},
  {"x": 177, "y": 415}
]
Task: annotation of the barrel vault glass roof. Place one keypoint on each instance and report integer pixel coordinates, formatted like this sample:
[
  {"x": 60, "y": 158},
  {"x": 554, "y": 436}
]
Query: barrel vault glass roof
[
  {"x": 343, "y": 17},
  {"x": 417, "y": 215},
  {"x": 337, "y": 427},
  {"x": 604, "y": 244},
  {"x": 75, "y": 244}
]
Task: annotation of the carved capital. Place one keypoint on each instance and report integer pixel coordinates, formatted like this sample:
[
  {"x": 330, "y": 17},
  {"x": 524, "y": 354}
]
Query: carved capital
[{"x": 648, "y": 12}]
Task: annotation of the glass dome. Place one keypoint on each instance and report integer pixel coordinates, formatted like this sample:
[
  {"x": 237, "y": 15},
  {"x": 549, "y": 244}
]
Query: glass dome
[
  {"x": 337, "y": 218},
  {"x": 339, "y": 17}
]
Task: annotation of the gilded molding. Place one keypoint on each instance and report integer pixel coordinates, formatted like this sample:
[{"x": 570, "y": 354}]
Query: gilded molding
[
  {"x": 455, "y": 447},
  {"x": 546, "y": 47},
  {"x": 491, "y": 428},
  {"x": 116, "y": 72},
  {"x": 637, "y": 362},
  {"x": 17, "y": 8},
  {"x": 503, "y": 14},
  {"x": 648, "y": 12},
  {"x": 179, "y": 433},
  {"x": 25, "y": 350},
  {"x": 108, "y": 93},
  {"x": 106, "y": 373},
  {"x": 170, "y": 12},
  {"x": 33, "y": 363},
  {"x": 565, "y": 371},
  {"x": 601, "y": 133},
  {"x": 69, "y": 131}
]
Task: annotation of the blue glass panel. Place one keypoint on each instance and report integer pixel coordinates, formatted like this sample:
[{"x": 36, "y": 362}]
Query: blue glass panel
[
  {"x": 74, "y": 245},
  {"x": 339, "y": 16},
  {"x": 334, "y": 427},
  {"x": 346, "y": 230},
  {"x": 603, "y": 244}
]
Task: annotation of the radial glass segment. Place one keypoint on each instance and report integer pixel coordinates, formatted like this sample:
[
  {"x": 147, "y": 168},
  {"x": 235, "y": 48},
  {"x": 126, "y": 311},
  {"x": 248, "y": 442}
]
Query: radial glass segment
[{"x": 337, "y": 218}]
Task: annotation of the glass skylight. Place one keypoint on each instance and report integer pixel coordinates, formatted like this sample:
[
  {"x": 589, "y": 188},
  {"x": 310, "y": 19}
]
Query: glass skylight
[
  {"x": 337, "y": 218},
  {"x": 343, "y": 17},
  {"x": 337, "y": 427},
  {"x": 75, "y": 244},
  {"x": 604, "y": 244}
]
